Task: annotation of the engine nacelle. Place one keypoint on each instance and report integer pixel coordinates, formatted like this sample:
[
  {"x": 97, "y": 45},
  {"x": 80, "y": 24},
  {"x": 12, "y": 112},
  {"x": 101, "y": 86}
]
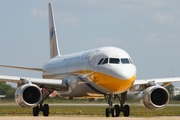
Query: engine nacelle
[
  {"x": 155, "y": 97},
  {"x": 28, "y": 95}
]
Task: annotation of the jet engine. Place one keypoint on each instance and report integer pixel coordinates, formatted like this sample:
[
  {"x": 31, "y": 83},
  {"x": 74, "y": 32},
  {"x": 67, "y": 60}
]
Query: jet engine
[
  {"x": 28, "y": 95},
  {"x": 155, "y": 97}
]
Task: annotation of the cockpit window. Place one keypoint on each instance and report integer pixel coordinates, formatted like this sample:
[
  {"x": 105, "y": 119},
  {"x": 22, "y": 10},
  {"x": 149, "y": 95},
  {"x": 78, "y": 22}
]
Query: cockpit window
[
  {"x": 114, "y": 60},
  {"x": 125, "y": 61},
  {"x": 100, "y": 61},
  {"x": 105, "y": 61},
  {"x": 130, "y": 61}
]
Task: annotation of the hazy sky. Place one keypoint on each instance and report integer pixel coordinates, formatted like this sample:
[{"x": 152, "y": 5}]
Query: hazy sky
[{"x": 149, "y": 30}]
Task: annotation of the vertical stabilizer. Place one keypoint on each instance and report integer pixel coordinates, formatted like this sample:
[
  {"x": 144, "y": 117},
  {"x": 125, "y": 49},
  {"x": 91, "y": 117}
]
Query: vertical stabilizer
[{"x": 54, "y": 48}]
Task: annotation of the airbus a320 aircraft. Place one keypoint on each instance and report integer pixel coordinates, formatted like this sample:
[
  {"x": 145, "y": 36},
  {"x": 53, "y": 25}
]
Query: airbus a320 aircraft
[{"x": 106, "y": 71}]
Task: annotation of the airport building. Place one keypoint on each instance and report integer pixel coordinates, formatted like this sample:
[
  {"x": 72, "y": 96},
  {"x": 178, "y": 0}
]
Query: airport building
[{"x": 176, "y": 91}]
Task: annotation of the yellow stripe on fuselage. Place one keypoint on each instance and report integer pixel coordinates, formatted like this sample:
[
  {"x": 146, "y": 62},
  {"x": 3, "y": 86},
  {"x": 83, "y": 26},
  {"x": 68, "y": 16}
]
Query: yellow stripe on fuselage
[
  {"x": 117, "y": 85},
  {"x": 114, "y": 84}
]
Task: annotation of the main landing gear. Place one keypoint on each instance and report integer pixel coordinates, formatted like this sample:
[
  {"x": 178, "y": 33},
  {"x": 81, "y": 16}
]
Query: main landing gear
[
  {"x": 117, "y": 109},
  {"x": 42, "y": 107}
]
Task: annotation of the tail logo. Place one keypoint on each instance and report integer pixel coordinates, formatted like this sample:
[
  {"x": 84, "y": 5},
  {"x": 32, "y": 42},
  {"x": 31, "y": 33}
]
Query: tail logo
[
  {"x": 54, "y": 50},
  {"x": 52, "y": 32}
]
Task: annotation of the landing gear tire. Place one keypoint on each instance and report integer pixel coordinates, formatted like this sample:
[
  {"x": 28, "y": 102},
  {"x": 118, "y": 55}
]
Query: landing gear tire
[
  {"x": 117, "y": 110},
  {"x": 36, "y": 111},
  {"x": 126, "y": 110},
  {"x": 46, "y": 110},
  {"x": 107, "y": 112},
  {"x": 112, "y": 112}
]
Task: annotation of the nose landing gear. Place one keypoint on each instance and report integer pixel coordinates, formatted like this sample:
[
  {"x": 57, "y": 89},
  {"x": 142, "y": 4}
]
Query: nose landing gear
[{"x": 117, "y": 109}]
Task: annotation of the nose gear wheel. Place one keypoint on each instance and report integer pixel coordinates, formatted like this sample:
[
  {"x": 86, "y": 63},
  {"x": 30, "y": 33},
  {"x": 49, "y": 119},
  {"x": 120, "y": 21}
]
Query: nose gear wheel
[{"x": 118, "y": 108}]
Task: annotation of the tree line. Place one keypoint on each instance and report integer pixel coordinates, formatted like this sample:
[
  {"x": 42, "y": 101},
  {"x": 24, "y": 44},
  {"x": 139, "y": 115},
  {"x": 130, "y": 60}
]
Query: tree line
[{"x": 9, "y": 91}]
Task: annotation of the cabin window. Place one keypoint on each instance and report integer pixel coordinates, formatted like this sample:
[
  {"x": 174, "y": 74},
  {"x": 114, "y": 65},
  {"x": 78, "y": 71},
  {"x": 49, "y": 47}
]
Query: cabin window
[
  {"x": 105, "y": 61},
  {"x": 100, "y": 61},
  {"x": 114, "y": 60}
]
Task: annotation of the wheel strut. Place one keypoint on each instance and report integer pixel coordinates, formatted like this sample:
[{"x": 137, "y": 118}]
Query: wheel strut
[
  {"x": 110, "y": 110},
  {"x": 44, "y": 108},
  {"x": 115, "y": 111}
]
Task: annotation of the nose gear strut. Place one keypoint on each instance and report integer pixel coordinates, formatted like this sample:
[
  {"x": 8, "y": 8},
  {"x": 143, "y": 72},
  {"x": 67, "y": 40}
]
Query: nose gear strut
[{"x": 118, "y": 108}]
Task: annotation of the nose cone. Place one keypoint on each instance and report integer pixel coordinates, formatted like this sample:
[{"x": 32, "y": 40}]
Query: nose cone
[
  {"x": 121, "y": 77},
  {"x": 125, "y": 72},
  {"x": 115, "y": 77}
]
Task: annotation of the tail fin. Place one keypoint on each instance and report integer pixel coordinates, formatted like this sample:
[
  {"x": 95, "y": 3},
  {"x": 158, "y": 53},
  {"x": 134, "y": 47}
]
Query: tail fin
[{"x": 54, "y": 48}]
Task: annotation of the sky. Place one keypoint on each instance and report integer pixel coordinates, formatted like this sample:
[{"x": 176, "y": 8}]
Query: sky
[{"x": 149, "y": 30}]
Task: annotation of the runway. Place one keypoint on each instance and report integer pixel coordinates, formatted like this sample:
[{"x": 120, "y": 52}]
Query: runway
[{"x": 85, "y": 118}]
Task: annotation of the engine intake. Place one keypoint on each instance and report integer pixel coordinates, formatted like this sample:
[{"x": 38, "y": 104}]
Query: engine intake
[
  {"x": 28, "y": 95},
  {"x": 155, "y": 97}
]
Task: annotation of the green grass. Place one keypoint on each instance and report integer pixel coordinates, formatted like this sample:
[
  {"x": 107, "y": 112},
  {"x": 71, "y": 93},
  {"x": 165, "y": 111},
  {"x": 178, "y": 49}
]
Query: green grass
[
  {"x": 68, "y": 110},
  {"x": 136, "y": 111}
]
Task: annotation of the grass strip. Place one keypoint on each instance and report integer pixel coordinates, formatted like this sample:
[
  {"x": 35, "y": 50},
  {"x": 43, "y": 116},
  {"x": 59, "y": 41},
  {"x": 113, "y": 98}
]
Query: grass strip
[{"x": 136, "y": 111}]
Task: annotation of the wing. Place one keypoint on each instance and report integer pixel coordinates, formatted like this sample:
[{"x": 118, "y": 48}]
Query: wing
[
  {"x": 24, "y": 68},
  {"x": 149, "y": 82},
  {"x": 46, "y": 83}
]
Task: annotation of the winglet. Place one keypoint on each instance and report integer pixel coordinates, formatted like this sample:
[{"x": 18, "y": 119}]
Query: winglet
[{"x": 54, "y": 48}]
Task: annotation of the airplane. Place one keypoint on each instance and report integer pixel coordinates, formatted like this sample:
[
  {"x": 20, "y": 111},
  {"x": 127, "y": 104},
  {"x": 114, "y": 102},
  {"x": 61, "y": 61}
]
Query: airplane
[{"x": 106, "y": 71}]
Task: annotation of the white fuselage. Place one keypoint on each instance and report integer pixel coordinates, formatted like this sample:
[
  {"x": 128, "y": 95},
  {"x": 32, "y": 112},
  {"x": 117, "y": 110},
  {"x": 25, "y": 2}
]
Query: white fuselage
[{"x": 98, "y": 71}]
